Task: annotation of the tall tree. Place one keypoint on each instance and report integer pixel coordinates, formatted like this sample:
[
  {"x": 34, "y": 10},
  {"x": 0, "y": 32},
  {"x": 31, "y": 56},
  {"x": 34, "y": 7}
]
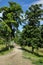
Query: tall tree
[
  {"x": 10, "y": 20},
  {"x": 31, "y": 31},
  {"x": 12, "y": 16}
]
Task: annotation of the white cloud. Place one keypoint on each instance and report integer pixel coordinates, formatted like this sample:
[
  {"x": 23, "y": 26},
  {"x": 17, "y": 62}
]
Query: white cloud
[
  {"x": 39, "y": 2},
  {"x": 0, "y": 14},
  {"x": 36, "y": 2}
]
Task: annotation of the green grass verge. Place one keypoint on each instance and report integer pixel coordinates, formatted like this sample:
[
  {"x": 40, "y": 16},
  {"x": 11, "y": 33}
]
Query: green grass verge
[
  {"x": 4, "y": 50},
  {"x": 34, "y": 58}
]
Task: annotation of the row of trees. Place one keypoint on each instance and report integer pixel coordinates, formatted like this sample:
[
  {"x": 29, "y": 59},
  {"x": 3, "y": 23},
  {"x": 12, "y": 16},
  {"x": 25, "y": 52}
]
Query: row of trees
[{"x": 32, "y": 33}]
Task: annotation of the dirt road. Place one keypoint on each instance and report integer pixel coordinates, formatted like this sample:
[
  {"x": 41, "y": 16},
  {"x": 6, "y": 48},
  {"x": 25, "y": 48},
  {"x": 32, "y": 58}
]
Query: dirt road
[{"x": 14, "y": 58}]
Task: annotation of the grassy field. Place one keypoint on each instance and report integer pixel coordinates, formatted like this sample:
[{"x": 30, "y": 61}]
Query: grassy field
[
  {"x": 36, "y": 58},
  {"x": 4, "y": 50}
]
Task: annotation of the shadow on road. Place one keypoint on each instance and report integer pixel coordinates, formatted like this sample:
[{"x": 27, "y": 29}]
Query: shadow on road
[
  {"x": 31, "y": 52},
  {"x": 5, "y": 49}
]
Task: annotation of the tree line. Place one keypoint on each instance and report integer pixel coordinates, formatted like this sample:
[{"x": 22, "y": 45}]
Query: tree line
[{"x": 32, "y": 33}]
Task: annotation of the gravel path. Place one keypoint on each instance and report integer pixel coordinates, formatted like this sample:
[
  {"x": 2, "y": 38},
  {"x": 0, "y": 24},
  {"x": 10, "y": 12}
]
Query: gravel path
[{"x": 14, "y": 58}]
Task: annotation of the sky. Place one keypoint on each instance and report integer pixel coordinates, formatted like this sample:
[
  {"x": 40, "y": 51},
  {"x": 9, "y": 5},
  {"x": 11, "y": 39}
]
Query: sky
[{"x": 24, "y": 4}]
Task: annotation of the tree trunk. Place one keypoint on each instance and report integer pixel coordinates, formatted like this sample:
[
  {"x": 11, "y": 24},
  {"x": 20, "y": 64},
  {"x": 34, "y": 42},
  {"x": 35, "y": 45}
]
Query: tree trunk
[
  {"x": 9, "y": 47},
  {"x": 32, "y": 49},
  {"x": 6, "y": 45}
]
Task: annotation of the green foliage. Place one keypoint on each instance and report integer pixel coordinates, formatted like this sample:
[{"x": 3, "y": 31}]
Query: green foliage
[
  {"x": 11, "y": 16},
  {"x": 33, "y": 14},
  {"x": 4, "y": 50},
  {"x": 31, "y": 31},
  {"x": 2, "y": 41},
  {"x": 10, "y": 21},
  {"x": 41, "y": 30}
]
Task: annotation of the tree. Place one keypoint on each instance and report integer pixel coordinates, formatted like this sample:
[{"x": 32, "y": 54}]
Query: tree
[
  {"x": 31, "y": 36},
  {"x": 5, "y": 32},
  {"x": 12, "y": 16},
  {"x": 31, "y": 31},
  {"x": 41, "y": 30}
]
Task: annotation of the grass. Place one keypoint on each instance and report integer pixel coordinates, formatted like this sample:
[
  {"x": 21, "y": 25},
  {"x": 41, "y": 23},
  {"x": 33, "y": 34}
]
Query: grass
[
  {"x": 38, "y": 60},
  {"x": 4, "y": 50}
]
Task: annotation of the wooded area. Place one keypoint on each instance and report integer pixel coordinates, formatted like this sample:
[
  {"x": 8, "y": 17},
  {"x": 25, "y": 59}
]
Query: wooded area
[{"x": 32, "y": 32}]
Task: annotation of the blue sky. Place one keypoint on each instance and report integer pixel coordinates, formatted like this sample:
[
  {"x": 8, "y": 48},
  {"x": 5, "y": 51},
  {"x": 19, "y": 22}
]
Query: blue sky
[{"x": 24, "y": 3}]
